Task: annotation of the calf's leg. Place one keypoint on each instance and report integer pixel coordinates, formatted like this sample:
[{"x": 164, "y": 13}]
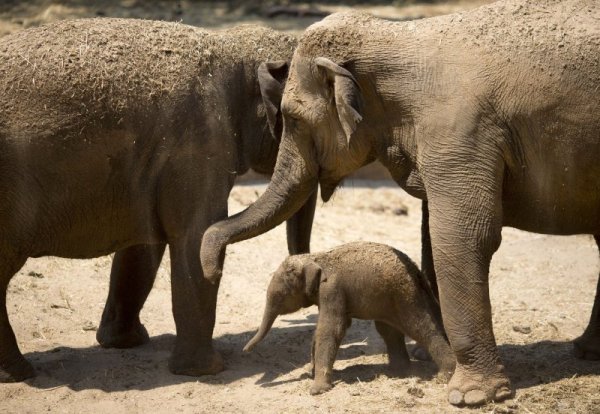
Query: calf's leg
[{"x": 396, "y": 347}]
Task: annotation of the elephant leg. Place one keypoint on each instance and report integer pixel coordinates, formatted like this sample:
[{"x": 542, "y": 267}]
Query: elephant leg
[
  {"x": 313, "y": 345},
  {"x": 396, "y": 348},
  {"x": 427, "y": 267},
  {"x": 13, "y": 366},
  {"x": 299, "y": 226},
  {"x": 419, "y": 352},
  {"x": 587, "y": 346},
  {"x": 311, "y": 368},
  {"x": 330, "y": 331},
  {"x": 131, "y": 279},
  {"x": 465, "y": 213},
  {"x": 413, "y": 316},
  {"x": 194, "y": 306}
]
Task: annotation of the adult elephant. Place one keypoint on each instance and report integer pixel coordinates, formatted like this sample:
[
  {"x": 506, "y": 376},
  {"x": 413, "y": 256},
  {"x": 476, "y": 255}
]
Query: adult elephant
[
  {"x": 492, "y": 116},
  {"x": 127, "y": 135}
]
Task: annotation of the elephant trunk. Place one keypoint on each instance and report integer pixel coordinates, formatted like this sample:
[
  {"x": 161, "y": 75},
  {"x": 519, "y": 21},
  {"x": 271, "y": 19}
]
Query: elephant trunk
[
  {"x": 268, "y": 318},
  {"x": 291, "y": 186}
]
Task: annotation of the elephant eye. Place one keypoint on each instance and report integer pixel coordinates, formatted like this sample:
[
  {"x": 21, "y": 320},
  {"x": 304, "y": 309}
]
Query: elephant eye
[
  {"x": 292, "y": 116},
  {"x": 291, "y": 121}
]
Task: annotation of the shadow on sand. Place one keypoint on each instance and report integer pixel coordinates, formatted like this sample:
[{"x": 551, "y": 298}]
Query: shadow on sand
[{"x": 283, "y": 351}]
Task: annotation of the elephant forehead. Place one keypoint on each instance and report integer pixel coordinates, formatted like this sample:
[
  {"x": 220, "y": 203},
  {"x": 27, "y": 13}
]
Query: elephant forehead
[
  {"x": 303, "y": 75},
  {"x": 337, "y": 36},
  {"x": 304, "y": 96},
  {"x": 293, "y": 263}
]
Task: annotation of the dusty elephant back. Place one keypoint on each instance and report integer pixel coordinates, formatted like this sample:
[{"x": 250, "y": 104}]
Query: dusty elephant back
[
  {"x": 107, "y": 114},
  {"x": 370, "y": 258},
  {"x": 550, "y": 35},
  {"x": 108, "y": 67}
]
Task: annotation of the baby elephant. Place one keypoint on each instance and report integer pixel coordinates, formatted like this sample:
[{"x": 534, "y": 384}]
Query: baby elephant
[{"x": 358, "y": 280}]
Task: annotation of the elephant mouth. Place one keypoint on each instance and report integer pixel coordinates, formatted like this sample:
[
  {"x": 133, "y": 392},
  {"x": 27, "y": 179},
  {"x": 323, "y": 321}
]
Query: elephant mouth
[
  {"x": 327, "y": 189},
  {"x": 328, "y": 186}
]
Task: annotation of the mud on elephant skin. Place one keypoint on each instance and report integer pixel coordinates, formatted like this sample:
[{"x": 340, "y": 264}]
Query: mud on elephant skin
[
  {"x": 127, "y": 135},
  {"x": 467, "y": 112},
  {"x": 358, "y": 280}
]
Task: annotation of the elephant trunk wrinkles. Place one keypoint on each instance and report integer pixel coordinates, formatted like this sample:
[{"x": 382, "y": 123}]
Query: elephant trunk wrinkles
[
  {"x": 266, "y": 324},
  {"x": 290, "y": 187}
]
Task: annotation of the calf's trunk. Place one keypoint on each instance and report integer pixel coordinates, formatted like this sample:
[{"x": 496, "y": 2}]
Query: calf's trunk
[{"x": 268, "y": 318}]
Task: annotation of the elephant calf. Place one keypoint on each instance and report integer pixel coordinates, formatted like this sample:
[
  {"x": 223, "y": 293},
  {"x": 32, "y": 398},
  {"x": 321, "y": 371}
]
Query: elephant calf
[{"x": 358, "y": 280}]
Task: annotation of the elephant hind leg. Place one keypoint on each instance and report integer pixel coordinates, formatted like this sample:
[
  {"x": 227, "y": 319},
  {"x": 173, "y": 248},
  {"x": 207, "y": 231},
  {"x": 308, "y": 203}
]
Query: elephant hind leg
[
  {"x": 131, "y": 279},
  {"x": 587, "y": 346},
  {"x": 13, "y": 366},
  {"x": 396, "y": 348}
]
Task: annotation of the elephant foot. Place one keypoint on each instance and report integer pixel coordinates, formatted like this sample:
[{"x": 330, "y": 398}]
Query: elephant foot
[
  {"x": 320, "y": 388},
  {"x": 200, "y": 362},
  {"x": 16, "y": 372},
  {"x": 472, "y": 388},
  {"x": 399, "y": 368},
  {"x": 420, "y": 353},
  {"x": 587, "y": 347},
  {"x": 113, "y": 335}
]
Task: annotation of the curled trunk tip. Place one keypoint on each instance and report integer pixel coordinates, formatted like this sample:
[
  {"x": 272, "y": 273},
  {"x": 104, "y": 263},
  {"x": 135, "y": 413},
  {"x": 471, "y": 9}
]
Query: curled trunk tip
[
  {"x": 212, "y": 253},
  {"x": 265, "y": 326}
]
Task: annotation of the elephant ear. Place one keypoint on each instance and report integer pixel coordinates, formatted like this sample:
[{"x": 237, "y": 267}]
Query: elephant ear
[
  {"x": 312, "y": 278},
  {"x": 271, "y": 80},
  {"x": 347, "y": 95}
]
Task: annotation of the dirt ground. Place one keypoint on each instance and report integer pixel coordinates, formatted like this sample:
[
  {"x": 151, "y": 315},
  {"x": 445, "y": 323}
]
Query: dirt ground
[{"x": 542, "y": 290}]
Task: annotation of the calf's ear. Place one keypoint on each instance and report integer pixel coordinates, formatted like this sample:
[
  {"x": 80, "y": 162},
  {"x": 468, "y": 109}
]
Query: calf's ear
[
  {"x": 271, "y": 80},
  {"x": 347, "y": 95},
  {"x": 312, "y": 278}
]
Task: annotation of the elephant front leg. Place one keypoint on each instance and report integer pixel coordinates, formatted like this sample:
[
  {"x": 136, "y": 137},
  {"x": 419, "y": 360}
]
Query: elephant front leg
[
  {"x": 330, "y": 331},
  {"x": 194, "y": 306},
  {"x": 131, "y": 279},
  {"x": 587, "y": 346},
  {"x": 13, "y": 366},
  {"x": 426, "y": 253},
  {"x": 299, "y": 226},
  {"x": 465, "y": 209}
]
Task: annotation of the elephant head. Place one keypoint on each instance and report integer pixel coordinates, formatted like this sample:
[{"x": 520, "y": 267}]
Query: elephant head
[
  {"x": 262, "y": 152},
  {"x": 324, "y": 139},
  {"x": 294, "y": 285}
]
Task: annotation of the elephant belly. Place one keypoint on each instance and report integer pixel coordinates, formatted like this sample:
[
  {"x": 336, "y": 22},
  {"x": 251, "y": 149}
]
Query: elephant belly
[
  {"x": 96, "y": 227},
  {"x": 552, "y": 180},
  {"x": 77, "y": 201},
  {"x": 561, "y": 200}
]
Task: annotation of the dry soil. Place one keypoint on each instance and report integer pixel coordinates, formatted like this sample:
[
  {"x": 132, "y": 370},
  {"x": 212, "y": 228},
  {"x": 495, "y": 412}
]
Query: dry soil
[{"x": 542, "y": 290}]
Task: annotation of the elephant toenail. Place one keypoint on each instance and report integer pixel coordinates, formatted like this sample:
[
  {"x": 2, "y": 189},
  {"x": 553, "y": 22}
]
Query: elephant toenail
[
  {"x": 475, "y": 397},
  {"x": 503, "y": 393},
  {"x": 455, "y": 397}
]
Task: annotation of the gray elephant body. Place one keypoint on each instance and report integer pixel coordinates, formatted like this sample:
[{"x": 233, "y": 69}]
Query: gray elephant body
[
  {"x": 364, "y": 281},
  {"x": 127, "y": 135},
  {"x": 492, "y": 116}
]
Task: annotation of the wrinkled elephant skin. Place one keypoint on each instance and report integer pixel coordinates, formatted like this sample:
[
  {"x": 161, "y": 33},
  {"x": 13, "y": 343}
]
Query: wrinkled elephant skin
[
  {"x": 126, "y": 136},
  {"x": 491, "y": 116}
]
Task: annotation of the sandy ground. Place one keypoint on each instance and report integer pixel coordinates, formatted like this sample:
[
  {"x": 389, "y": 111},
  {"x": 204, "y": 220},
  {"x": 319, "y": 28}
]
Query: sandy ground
[{"x": 542, "y": 291}]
